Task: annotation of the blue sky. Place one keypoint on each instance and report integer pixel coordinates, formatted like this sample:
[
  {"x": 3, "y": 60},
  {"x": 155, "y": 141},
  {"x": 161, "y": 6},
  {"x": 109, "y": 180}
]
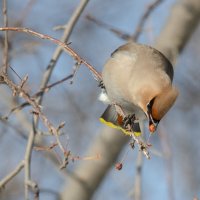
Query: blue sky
[{"x": 77, "y": 104}]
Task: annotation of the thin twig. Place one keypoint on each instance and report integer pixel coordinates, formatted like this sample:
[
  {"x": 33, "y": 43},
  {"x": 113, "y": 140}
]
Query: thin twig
[
  {"x": 34, "y": 188},
  {"x": 45, "y": 148},
  {"x": 43, "y": 90},
  {"x": 45, "y": 81},
  {"x": 56, "y": 55},
  {"x": 143, "y": 19},
  {"x": 27, "y": 160},
  {"x": 14, "y": 127},
  {"x": 75, "y": 69},
  {"x": 123, "y": 35},
  {"x": 142, "y": 146},
  {"x": 18, "y": 107},
  {"x": 62, "y": 45},
  {"x": 166, "y": 149},
  {"x": 48, "y": 87},
  {"x": 47, "y": 75},
  {"x": 119, "y": 33},
  {"x": 5, "y": 55},
  {"x": 37, "y": 109},
  {"x": 10, "y": 176},
  {"x": 137, "y": 193},
  {"x": 76, "y": 57}
]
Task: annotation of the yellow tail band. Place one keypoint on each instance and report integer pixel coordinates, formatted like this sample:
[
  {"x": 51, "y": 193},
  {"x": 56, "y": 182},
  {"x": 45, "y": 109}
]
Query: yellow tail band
[{"x": 110, "y": 124}]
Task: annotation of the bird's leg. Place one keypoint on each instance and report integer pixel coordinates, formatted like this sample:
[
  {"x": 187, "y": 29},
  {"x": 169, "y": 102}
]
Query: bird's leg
[
  {"x": 128, "y": 121},
  {"x": 101, "y": 84},
  {"x": 119, "y": 109}
]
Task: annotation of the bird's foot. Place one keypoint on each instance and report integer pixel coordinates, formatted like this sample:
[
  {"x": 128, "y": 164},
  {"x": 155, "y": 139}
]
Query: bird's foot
[
  {"x": 128, "y": 121},
  {"x": 101, "y": 85}
]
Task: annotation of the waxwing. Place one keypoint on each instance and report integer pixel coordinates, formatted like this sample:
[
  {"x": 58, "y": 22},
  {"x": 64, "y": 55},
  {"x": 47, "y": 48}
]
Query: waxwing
[{"x": 138, "y": 78}]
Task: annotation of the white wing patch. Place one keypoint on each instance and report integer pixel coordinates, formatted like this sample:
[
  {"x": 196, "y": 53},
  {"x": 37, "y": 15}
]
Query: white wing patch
[{"x": 104, "y": 97}]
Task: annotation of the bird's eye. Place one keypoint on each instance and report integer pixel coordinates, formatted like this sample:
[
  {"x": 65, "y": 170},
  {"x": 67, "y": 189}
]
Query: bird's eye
[
  {"x": 152, "y": 122},
  {"x": 150, "y": 104}
]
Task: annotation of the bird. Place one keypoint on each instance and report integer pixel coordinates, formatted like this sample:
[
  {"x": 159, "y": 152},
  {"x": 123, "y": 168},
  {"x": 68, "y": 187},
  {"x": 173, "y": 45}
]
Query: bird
[{"x": 138, "y": 78}]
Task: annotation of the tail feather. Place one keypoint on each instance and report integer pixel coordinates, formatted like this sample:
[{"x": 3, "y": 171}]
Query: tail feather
[{"x": 111, "y": 118}]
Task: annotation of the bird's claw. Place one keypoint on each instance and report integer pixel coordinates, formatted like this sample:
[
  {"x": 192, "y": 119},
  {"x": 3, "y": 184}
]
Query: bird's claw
[
  {"x": 128, "y": 121},
  {"x": 101, "y": 84}
]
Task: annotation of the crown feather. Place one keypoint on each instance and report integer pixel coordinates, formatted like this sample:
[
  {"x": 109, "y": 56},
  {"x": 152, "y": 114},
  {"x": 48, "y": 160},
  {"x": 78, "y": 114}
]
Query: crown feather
[{"x": 163, "y": 102}]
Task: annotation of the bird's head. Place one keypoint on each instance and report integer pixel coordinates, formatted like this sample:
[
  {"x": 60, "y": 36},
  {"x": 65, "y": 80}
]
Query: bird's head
[{"x": 159, "y": 105}]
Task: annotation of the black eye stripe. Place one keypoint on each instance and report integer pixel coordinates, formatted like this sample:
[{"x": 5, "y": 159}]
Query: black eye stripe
[
  {"x": 149, "y": 111},
  {"x": 150, "y": 104}
]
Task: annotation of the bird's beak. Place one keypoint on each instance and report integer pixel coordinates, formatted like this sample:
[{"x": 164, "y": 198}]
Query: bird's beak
[{"x": 152, "y": 123}]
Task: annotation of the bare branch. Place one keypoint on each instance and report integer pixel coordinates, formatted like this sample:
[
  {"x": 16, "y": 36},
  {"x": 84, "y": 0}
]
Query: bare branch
[
  {"x": 62, "y": 45},
  {"x": 37, "y": 109},
  {"x": 5, "y": 55},
  {"x": 143, "y": 19},
  {"x": 34, "y": 188},
  {"x": 10, "y": 176},
  {"x": 75, "y": 69},
  {"x": 88, "y": 175},
  {"x": 46, "y": 148},
  {"x": 137, "y": 193},
  {"x": 43, "y": 90},
  {"x": 67, "y": 32},
  {"x": 142, "y": 146},
  {"x": 27, "y": 161},
  {"x": 14, "y": 127},
  {"x": 167, "y": 154},
  {"x": 48, "y": 87},
  {"x": 121, "y": 34}
]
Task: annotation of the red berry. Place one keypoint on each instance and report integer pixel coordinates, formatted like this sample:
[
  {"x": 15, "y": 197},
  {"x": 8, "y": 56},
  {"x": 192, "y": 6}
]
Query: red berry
[{"x": 118, "y": 166}]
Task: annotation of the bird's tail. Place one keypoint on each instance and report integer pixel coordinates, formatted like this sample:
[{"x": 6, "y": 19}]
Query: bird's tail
[{"x": 111, "y": 118}]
